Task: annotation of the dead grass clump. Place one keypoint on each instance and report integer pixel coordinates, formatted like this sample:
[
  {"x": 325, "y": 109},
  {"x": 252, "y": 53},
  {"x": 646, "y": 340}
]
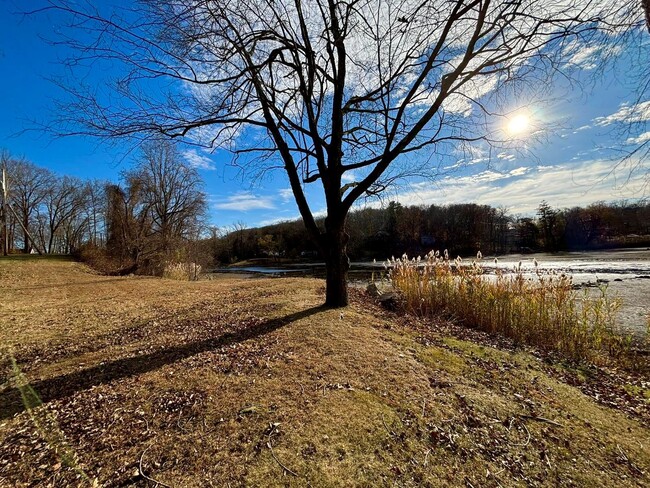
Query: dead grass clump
[
  {"x": 182, "y": 271},
  {"x": 542, "y": 309}
]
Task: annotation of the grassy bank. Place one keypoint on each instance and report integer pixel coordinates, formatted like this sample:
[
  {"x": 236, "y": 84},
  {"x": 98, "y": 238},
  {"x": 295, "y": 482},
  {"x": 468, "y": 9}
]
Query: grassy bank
[{"x": 250, "y": 382}]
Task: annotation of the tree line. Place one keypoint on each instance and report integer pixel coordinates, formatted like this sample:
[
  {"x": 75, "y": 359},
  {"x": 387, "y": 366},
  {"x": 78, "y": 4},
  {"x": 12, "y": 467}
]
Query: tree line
[
  {"x": 153, "y": 215},
  {"x": 463, "y": 229},
  {"x": 48, "y": 213}
]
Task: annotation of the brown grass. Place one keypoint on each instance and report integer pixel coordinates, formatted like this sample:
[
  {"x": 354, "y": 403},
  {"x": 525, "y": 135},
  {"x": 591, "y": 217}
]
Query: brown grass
[{"x": 220, "y": 382}]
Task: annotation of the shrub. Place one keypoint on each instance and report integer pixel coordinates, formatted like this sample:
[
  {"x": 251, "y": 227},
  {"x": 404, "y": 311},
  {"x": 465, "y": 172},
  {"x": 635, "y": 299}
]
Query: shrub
[
  {"x": 100, "y": 260},
  {"x": 542, "y": 309}
]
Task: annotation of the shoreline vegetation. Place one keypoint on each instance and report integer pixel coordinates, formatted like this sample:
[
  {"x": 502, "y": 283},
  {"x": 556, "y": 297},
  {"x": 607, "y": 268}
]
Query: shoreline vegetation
[
  {"x": 541, "y": 309},
  {"x": 251, "y": 382}
]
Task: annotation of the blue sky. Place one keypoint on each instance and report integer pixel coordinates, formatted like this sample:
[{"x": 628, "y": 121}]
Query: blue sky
[{"x": 570, "y": 165}]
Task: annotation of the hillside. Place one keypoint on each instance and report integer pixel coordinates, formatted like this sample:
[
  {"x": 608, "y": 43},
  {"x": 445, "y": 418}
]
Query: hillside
[{"x": 249, "y": 382}]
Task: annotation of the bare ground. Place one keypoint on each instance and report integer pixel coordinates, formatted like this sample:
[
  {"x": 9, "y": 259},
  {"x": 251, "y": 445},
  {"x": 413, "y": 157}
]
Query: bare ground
[{"x": 248, "y": 382}]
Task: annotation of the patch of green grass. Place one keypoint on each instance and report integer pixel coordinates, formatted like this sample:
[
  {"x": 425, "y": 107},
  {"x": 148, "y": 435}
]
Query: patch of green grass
[
  {"x": 442, "y": 359},
  {"x": 478, "y": 350},
  {"x": 638, "y": 391}
]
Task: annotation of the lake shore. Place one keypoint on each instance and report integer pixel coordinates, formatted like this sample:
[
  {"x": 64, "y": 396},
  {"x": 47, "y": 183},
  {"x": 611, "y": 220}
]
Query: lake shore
[{"x": 624, "y": 272}]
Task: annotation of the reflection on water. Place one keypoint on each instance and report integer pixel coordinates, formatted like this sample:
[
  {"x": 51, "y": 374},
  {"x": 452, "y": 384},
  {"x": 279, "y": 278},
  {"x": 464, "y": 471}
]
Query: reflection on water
[
  {"x": 622, "y": 264},
  {"x": 261, "y": 270}
]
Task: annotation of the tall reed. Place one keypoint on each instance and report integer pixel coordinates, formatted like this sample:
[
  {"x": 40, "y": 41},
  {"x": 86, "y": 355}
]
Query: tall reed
[
  {"x": 540, "y": 308},
  {"x": 182, "y": 271}
]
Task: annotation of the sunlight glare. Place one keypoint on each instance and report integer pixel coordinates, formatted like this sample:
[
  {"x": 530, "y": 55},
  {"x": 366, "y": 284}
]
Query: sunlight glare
[{"x": 518, "y": 124}]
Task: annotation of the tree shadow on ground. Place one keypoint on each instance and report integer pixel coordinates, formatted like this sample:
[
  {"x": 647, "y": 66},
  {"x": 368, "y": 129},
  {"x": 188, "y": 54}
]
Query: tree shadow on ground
[{"x": 71, "y": 383}]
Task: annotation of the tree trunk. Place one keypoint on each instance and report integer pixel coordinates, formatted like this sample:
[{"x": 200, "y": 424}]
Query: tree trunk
[
  {"x": 26, "y": 243},
  {"x": 337, "y": 265}
]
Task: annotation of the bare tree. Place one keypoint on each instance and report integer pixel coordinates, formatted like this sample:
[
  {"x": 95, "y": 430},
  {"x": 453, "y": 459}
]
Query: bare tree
[
  {"x": 63, "y": 203},
  {"x": 170, "y": 190},
  {"x": 158, "y": 210},
  {"x": 373, "y": 90},
  {"x": 127, "y": 225},
  {"x": 29, "y": 185},
  {"x": 95, "y": 212}
]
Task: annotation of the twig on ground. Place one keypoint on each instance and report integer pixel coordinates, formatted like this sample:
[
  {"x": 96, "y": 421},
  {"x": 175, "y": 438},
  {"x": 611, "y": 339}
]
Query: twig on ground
[
  {"x": 527, "y": 440},
  {"x": 540, "y": 419},
  {"x": 178, "y": 421},
  {"x": 628, "y": 460},
  {"x": 149, "y": 478},
  {"x": 392, "y": 433},
  {"x": 270, "y": 446}
]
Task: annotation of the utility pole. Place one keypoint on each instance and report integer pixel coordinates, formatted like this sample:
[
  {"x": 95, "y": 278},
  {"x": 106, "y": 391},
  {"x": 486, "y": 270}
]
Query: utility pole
[{"x": 5, "y": 209}]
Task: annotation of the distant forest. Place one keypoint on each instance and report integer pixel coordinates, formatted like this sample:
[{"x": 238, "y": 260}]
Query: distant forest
[{"x": 463, "y": 229}]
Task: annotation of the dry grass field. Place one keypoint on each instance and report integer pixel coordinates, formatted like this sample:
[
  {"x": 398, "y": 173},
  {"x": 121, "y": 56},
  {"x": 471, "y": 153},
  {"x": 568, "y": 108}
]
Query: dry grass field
[{"x": 248, "y": 382}]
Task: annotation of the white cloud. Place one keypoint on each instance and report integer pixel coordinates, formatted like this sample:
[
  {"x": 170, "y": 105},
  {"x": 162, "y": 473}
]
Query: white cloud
[
  {"x": 627, "y": 113},
  {"x": 640, "y": 139},
  {"x": 243, "y": 202},
  {"x": 286, "y": 194},
  {"x": 506, "y": 156},
  {"x": 523, "y": 188},
  {"x": 519, "y": 171},
  {"x": 586, "y": 57},
  {"x": 199, "y": 161}
]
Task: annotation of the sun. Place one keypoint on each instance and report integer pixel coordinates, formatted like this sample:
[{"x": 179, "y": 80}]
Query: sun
[{"x": 518, "y": 124}]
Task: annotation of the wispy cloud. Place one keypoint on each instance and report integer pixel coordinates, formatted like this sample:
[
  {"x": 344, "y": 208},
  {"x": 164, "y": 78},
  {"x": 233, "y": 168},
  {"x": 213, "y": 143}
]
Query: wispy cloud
[
  {"x": 199, "y": 161},
  {"x": 522, "y": 189},
  {"x": 590, "y": 56},
  {"x": 506, "y": 156},
  {"x": 243, "y": 202},
  {"x": 586, "y": 57},
  {"x": 581, "y": 128},
  {"x": 286, "y": 194},
  {"x": 627, "y": 113},
  {"x": 640, "y": 139}
]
